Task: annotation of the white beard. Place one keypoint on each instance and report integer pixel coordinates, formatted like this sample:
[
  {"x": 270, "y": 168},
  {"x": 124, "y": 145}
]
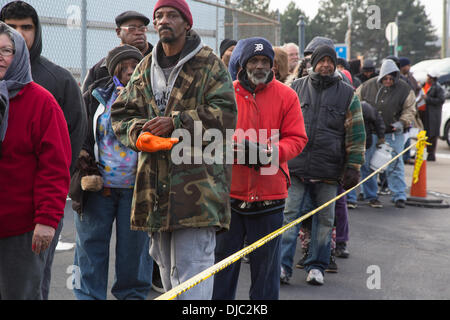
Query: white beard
[{"x": 257, "y": 81}]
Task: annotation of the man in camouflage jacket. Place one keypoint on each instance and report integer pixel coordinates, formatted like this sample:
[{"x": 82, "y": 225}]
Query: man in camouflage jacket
[{"x": 180, "y": 85}]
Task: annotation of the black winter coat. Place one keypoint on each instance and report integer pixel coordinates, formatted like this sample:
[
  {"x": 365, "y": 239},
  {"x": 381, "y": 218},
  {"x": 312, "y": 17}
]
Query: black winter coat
[
  {"x": 433, "y": 113},
  {"x": 63, "y": 86}
]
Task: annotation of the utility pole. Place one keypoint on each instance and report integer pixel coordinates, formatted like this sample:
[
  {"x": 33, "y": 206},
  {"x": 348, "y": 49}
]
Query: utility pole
[
  {"x": 444, "y": 48},
  {"x": 399, "y": 14},
  {"x": 348, "y": 35},
  {"x": 83, "y": 40}
]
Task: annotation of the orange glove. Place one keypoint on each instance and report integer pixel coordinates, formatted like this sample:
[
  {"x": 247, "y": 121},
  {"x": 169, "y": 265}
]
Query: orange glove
[{"x": 148, "y": 142}]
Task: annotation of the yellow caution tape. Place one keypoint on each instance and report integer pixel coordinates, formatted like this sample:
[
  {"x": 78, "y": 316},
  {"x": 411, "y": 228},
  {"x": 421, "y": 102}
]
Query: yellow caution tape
[
  {"x": 421, "y": 144},
  {"x": 197, "y": 279}
]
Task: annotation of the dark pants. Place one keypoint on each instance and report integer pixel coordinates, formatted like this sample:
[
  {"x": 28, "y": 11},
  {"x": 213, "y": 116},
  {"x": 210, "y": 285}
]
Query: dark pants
[
  {"x": 47, "y": 277},
  {"x": 264, "y": 262},
  {"x": 431, "y": 149},
  {"x": 20, "y": 269},
  {"x": 341, "y": 215}
]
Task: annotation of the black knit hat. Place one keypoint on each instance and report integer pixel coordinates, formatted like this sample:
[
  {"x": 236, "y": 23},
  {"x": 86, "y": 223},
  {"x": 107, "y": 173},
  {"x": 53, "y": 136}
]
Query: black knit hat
[
  {"x": 118, "y": 54},
  {"x": 321, "y": 52},
  {"x": 128, "y": 15},
  {"x": 225, "y": 44}
]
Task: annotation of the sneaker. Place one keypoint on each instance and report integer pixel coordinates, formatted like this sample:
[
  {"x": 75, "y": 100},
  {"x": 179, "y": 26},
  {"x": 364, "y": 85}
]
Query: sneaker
[
  {"x": 315, "y": 277},
  {"x": 284, "y": 279},
  {"x": 156, "y": 279},
  {"x": 341, "y": 250},
  {"x": 384, "y": 191},
  {"x": 332, "y": 266},
  {"x": 301, "y": 263},
  {"x": 352, "y": 205},
  {"x": 400, "y": 204},
  {"x": 375, "y": 203}
]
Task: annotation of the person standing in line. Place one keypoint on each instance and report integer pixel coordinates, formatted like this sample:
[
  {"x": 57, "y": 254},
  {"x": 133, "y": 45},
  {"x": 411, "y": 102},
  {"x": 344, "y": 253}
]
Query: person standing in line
[
  {"x": 105, "y": 193},
  {"x": 257, "y": 207},
  {"x": 181, "y": 87},
  {"x": 131, "y": 29},
  {"x": 281, "y": 66},
  {"x": 434, "y": 99},
  {"x": 333, "y": 155},
  {"x": 34, "y": 171},
  {"x": 226, "y": 49},
  {"x": 293, "y": 53},
  {"x": 61, "y": 84},
  {"x": 394, "y": 99},
  {"x": 374, "y": 124}
]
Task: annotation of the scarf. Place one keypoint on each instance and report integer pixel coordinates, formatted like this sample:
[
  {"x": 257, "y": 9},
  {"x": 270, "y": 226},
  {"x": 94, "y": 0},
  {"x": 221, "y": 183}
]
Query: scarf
[{"x": 16, "y": 77}]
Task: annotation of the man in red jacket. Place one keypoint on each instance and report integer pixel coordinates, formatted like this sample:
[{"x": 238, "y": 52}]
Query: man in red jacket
[
  {"x": 34, "y": 171},
  {"x": 269, "y": 117}
]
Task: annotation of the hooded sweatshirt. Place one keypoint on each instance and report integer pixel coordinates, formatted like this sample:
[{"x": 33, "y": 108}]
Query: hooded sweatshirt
[
  {"x": 395, "y": 103},
  {"x": 34, "y": 166},
  {"x": 322, "y": 41},
  {"x": 62, "y": 85}
]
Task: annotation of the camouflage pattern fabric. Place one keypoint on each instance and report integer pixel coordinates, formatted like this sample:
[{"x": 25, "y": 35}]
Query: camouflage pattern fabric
[{"x": 168, "y": 197}]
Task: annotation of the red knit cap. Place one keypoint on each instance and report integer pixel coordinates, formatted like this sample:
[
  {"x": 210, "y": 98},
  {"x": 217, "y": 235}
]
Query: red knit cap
[{"x": 180, "y": 5}]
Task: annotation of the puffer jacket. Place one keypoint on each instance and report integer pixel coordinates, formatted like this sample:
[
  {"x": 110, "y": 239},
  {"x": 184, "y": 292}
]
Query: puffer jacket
[{"x": 273, "y": 108}]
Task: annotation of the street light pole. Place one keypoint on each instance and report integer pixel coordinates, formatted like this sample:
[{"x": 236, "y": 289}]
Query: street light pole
[{"x": 301, "y": 35}]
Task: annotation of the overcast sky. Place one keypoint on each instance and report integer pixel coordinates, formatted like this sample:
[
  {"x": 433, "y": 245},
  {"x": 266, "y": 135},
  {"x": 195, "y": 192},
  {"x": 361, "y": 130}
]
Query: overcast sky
[{"x": 310, "y": 7}]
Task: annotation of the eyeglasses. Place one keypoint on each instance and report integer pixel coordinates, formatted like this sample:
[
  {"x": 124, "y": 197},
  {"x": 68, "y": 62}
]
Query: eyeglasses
[
  {"x": 7, "y": 52},
  {"x": 388, "y": 79},
  {"x": 133, "y": 29}
]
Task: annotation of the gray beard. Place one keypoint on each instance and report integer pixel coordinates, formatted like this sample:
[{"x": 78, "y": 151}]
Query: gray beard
[{"x": 257, "y": 81}]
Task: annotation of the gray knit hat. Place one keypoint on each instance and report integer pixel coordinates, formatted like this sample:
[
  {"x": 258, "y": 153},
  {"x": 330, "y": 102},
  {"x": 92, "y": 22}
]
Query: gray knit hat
[{"x": 118, "y": 54}]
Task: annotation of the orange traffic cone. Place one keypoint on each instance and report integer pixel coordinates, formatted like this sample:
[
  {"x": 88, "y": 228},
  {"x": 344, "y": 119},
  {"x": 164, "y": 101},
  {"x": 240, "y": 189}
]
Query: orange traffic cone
[
  {"x": 419, "y": 196},
  {"x": 419, "y": 189}
]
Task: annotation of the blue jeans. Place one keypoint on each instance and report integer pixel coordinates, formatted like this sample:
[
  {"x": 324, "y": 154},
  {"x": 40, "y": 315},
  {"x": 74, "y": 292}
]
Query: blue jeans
[
  {"x": 370, "y": 187},
  {"x": 396, "y": 170},
  {"x": 264, "y": 261},
  {"x": 133, "y": 265},
  {"x": 303, "y": 198}
]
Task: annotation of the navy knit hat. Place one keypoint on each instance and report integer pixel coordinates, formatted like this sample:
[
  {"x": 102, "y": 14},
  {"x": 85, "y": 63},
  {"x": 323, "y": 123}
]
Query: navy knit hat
[
  {"x": 256, "y": 47},
  {"x": 404, "y": 62}
]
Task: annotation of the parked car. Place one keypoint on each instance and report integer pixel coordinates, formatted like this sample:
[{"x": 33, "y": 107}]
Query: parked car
[
  {"x": 445, "y": 124},
  {"x": 421, "y": 69}
]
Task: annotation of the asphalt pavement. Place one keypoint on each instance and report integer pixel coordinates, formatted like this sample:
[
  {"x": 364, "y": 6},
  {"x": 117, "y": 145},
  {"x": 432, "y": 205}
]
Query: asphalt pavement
[{"x": 395, "y": 254}]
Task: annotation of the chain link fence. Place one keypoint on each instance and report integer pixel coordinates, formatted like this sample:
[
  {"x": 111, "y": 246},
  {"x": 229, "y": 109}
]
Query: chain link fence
[{"x": 76, "y": 34}]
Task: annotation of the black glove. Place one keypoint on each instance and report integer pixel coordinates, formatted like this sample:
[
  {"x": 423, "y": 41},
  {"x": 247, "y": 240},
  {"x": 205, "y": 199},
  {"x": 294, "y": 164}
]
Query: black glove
[
  {"x": 351, "y": 178},
  {"x": 254, "y": 148}
]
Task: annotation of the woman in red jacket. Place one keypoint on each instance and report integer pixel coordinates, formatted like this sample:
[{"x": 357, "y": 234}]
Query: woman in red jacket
[{"x": 35, "y": 157}]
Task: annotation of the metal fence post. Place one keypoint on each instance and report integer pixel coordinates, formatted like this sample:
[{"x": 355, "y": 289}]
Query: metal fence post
[
  {"x": 83, "y": 40},
  {"x": 235, "y": 25},
  {"x": 301, "y": 35}
]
